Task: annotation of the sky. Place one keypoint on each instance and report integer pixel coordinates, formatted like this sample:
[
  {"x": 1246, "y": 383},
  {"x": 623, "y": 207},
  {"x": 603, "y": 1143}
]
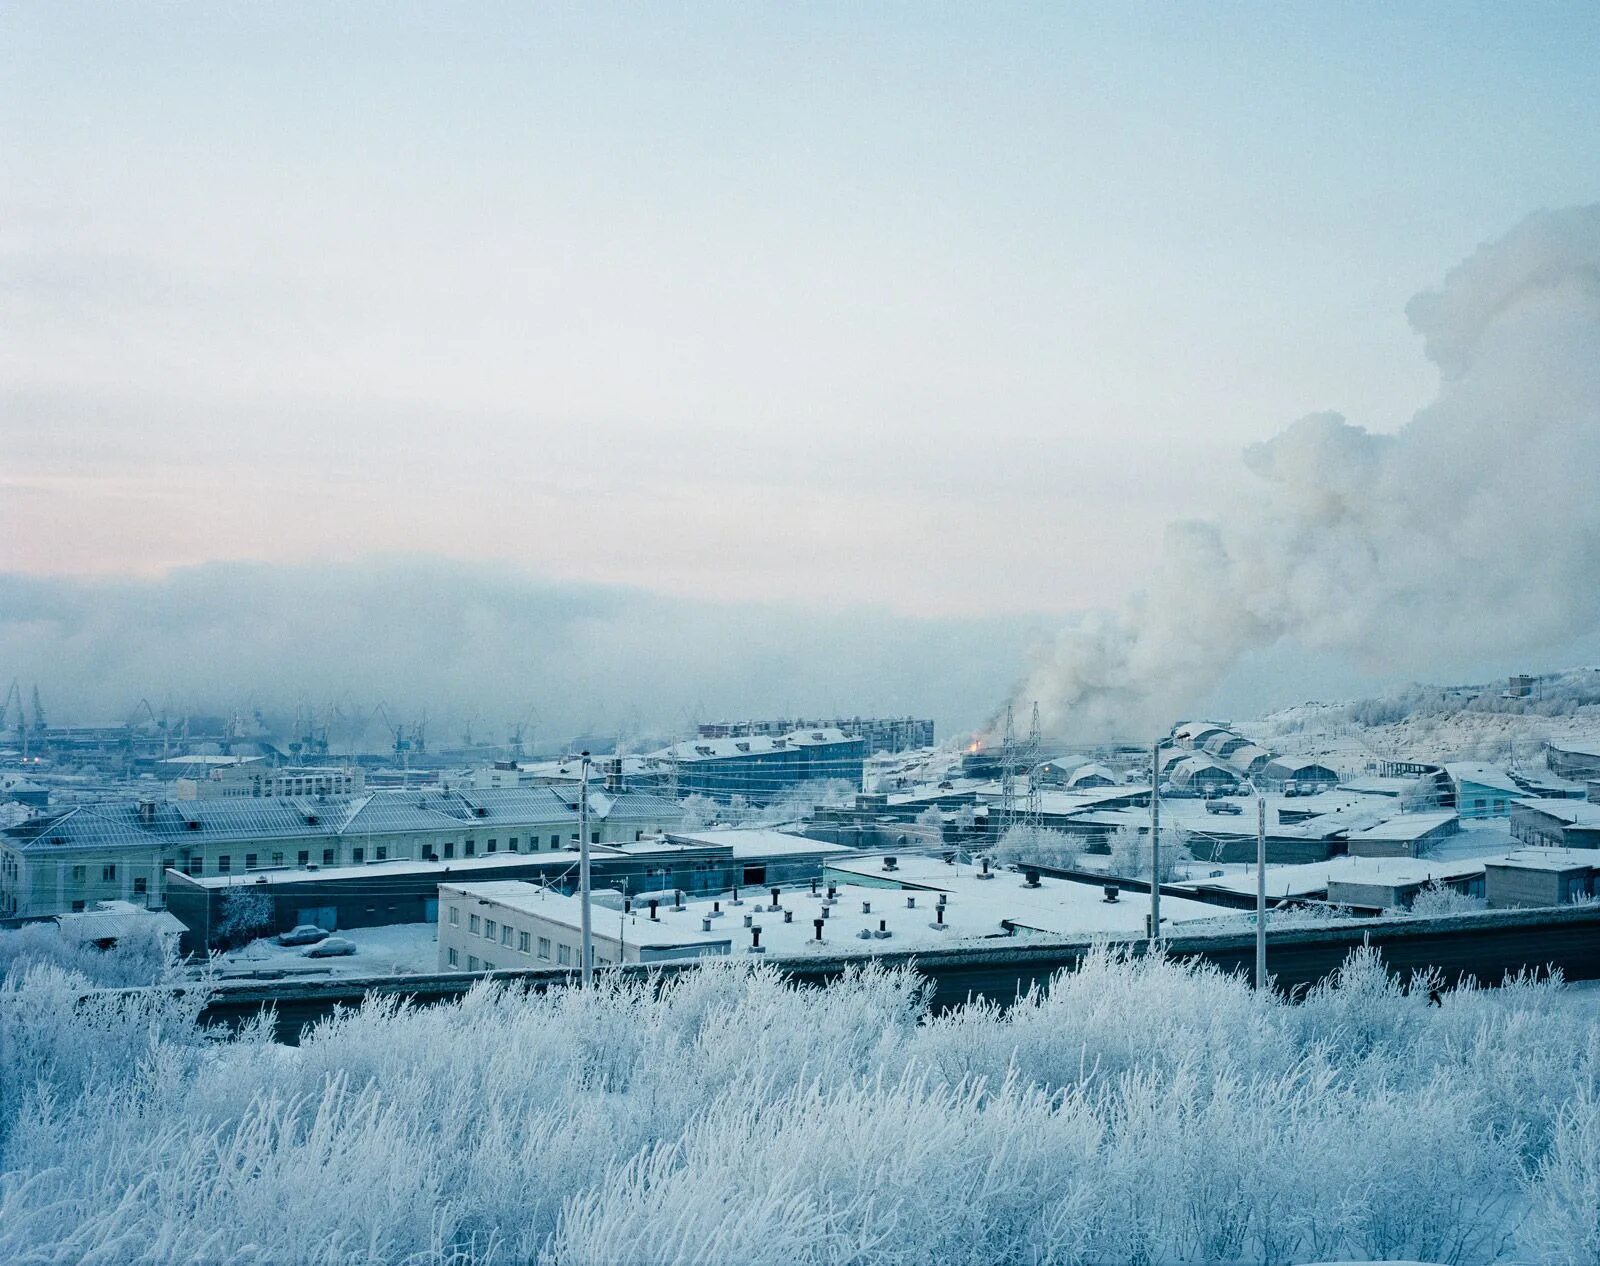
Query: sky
[{"x": 917, "y": 317}]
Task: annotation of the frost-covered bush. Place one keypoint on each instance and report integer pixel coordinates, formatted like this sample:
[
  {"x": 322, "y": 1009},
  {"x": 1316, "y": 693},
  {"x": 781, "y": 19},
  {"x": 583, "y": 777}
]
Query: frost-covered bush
[
  {"x": 1437, "y": 899},
  {"x": 140, "y": 957},
  {"x": 1139, "y": 1109}
]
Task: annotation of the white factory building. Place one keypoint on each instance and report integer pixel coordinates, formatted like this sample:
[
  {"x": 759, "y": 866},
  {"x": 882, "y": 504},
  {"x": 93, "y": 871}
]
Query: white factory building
[{"x": 860, "y": 908}]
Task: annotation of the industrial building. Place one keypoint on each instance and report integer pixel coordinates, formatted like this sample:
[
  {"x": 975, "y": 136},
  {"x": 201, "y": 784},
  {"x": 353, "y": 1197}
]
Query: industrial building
[
  {"x": 1577, "y": 759},
  {"x": 1542, "y": 877},
  {"x": 1303, "y": 774},
  {"x": 760, "y": 768},
  {"x": 1556, "y": 823},
  {"x": 1405, "y": 835},
  {"x": 880, "y": 734},
  {"x": 64, "y": 861}
]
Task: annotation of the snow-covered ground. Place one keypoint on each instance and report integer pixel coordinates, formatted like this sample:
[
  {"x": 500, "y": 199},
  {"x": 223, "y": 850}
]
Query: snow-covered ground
[{"x": 397, "y": 950}]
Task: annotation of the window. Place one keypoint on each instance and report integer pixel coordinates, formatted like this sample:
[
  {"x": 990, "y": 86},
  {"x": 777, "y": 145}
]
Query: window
[
  {"x": 564, "y": 955},
  {"x": 488, "y": 928},
  {"x": 594, "y": 837},
  {"x": 505, "y": 934},
  {"x": 468, "y": 849},
  {"x": 455, "y": 958},
  {"x": 358, "y": 855},
  {"x": 108, "y": 873},
  {"x": 487, "y": 965},
  {"x": 1478, "y": 805},
  {"x": 555, "y": 841},
  {"x": 472, "y": 962},
  {"x": 303, "y": 857},
  {"x": 492, "y": 847},
  {"x": 381, "y": 852},
  {"x": 77, "y": 907},
  {"x": 80, "y": 874},
  {"x": 327, "y": 857},
  {"x": 523, "y": 940},
  {"x": 544, "y": 947},
  {"x": 141, "y": 886},
  {"x": 449, "y": 848},
  {"x": 277, "y": 859},
  {"x": 195, "y": 866},
  {"x": 455, "y": 915},
  {"x": 250, "y": 861},
  {"x": 473, "y": 923},
  {"x": 512, "y": 843}
]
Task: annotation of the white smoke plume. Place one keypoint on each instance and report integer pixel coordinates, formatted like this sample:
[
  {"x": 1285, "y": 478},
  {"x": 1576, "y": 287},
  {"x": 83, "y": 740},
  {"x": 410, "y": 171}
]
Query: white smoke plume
[{"x": 1474, "y": 529}]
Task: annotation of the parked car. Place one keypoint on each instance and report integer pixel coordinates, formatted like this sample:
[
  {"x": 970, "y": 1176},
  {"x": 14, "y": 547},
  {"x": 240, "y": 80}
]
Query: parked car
[
  {"x": 302, "y": 934},
  {"x": 332, "y": 947},
  {"x": 1223, "y": 806}
]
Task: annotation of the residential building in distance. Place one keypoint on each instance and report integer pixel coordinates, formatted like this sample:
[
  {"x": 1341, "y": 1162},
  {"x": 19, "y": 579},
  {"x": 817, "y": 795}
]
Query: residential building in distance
[
  {"x": 63, "y": 861},
  {"x": 1482, "y": 791},
  {"x": 232, "y": 778}
]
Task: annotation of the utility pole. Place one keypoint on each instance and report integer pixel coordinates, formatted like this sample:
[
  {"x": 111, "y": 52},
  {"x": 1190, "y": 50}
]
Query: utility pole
[
  {"x": 1261, "y": 891},
  {"x": 1155, "y": 843},
  {"x": 1008, "y": 758},
  {"x": 583, "y": 872},
  {"x": 1035, "y": 744}
]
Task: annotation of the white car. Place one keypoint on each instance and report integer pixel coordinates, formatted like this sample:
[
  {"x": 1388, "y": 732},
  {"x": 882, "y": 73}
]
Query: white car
[{"x": 332, "y": 947}]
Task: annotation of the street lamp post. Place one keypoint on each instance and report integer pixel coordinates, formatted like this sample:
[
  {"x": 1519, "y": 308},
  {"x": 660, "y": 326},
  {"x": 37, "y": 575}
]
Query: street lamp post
[
  {"x": 583, "y": 872},
  {"x": 1261, "y": 888}
]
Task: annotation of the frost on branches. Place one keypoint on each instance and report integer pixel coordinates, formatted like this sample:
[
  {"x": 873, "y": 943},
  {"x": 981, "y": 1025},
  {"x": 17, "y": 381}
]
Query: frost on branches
[{"x": 1135, "y": 1111}]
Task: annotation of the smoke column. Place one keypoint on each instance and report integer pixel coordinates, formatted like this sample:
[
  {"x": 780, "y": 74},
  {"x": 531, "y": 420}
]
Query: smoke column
[{"x": 1474, "y": 529}]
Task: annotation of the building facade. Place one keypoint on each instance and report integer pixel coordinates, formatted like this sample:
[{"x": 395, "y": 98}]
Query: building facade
[{"x": 60, "y": 862}]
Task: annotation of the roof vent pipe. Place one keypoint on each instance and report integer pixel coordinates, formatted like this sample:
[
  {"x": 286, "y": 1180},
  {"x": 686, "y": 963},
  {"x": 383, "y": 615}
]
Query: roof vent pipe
[
  {"x": 788, "y": 916},
  {"x": 749, "y": 919},
  {"x": 654, "y": 918},
  {"x": 774, "y": 898},
  {"x": 891, "y": 863},
  {"x": 817, "y": 923},
  {"x": 705, "y": 924},
  {"x": 883, "y": 932},
  {"x": 911, "y": 903},
  {"x": 866, "y": 907},
  {"x": 1111, "y": 892},
  {"x": 755, "y": 941},
  {"x": 1030, "y": 877}
]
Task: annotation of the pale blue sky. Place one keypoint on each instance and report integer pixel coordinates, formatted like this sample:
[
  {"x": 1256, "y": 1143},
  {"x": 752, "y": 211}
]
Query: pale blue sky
[{"x": 942, "y": 309}]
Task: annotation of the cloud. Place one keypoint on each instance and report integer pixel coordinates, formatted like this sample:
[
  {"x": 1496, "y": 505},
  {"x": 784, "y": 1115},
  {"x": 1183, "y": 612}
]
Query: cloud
[{"x": 479, "y": 641}]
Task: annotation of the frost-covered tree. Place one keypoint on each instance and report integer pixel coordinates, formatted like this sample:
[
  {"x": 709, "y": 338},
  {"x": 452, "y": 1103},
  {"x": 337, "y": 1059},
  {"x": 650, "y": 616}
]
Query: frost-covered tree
[
  {"x": 1130, "y": 853},
  {"x": 246, "y": 912},
  {"x": 1041, "y": 846}
]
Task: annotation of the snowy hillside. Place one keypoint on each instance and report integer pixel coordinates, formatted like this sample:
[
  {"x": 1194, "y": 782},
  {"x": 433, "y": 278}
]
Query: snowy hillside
[{"x": 1438, "y": 723}]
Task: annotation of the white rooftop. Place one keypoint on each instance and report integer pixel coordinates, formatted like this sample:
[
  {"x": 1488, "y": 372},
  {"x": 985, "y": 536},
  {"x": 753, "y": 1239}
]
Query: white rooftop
[
  {"x": 486, "y": 861},
  {"x": 757, "y": 843},
  {"x": 1407, "y": 826},
  {"x": 534, "y": 899},
  {"x": 1550, "y": 859}
]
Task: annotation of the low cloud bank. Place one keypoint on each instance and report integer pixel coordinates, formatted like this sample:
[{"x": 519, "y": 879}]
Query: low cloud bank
[{"x": 481, "y": 644}]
